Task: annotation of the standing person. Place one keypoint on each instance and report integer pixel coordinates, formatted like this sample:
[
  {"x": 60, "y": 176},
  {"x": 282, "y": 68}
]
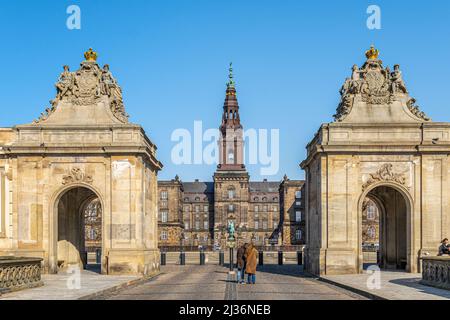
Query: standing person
[
  {"x": 443, "y": 248},
  {"x": 250, "y": 268},
  {"x": 241, "y": 263}
]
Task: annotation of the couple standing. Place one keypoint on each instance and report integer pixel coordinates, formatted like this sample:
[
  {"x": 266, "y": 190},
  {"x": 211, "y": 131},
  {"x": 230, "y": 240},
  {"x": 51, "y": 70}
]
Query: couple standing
[{"x": 246, "y": 263}]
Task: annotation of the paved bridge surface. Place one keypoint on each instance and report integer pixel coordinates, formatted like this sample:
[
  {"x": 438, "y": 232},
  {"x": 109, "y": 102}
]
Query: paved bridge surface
[{"x": 212, "y": 282}]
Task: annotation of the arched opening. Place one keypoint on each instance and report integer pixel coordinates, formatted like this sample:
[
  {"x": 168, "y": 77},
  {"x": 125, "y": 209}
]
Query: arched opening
[
  {"x": 384, "y": 228},
  {"x": 79, "y": 229}
]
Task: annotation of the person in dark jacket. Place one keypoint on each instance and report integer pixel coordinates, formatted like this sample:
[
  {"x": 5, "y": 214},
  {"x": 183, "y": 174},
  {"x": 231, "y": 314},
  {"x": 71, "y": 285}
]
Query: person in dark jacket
[
  {"x": 444, "y": 248},
  {"x": 241, "y": 264}
]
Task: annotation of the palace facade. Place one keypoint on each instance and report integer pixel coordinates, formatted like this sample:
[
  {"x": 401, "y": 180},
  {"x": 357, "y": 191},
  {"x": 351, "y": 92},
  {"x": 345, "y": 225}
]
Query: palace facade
[{"x": 264, "y": 212}]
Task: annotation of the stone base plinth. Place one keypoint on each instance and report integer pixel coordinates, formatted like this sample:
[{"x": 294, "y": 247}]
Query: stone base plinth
[
  {"x": 130, "y": 261},
  {"x": 331, "y": 261}
]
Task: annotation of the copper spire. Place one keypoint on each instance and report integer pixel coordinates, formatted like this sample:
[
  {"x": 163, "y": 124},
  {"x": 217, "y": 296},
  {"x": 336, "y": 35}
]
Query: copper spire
[{"x": 230, "y": 118}]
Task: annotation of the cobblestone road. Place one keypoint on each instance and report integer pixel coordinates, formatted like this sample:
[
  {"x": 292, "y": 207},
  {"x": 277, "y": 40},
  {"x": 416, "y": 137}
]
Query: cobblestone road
[{"x": 212, "y": 283}]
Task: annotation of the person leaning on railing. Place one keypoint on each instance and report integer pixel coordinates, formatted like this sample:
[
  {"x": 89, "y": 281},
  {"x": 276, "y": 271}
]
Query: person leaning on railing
[{"x": 444, "y": 247}]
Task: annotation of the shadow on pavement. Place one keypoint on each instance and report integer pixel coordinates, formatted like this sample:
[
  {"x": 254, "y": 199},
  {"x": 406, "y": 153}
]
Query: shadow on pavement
[{"x": 415, "y": 283}]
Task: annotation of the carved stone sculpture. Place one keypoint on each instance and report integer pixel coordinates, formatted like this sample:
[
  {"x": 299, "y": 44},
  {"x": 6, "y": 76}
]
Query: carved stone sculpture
[
  {"x": 375, "y": 85},
  {"x": 397, "y": 81},
  {"x": 65, "y": 85},
  {"x": 416, "y": 110},
  {"x": 76, "y": 175},
  {"x": 86, "y": 87},
  {"x": 386, "y": 174}
]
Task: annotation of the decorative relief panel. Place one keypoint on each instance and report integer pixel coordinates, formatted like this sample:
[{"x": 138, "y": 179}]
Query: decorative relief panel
[
  {"x": 76, "y": 175},
  {"x": 386, "y": 174}
]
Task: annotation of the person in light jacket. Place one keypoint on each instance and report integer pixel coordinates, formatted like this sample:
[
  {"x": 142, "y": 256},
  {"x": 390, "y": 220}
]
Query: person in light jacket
[{"x": 250, "y": 268}]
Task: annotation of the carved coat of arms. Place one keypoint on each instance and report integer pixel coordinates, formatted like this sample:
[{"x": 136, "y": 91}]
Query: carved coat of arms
[
  {"x": 384, "y": 173},
  {"x": 87, "y": 82},
  {"x": 86, "y": 86}
]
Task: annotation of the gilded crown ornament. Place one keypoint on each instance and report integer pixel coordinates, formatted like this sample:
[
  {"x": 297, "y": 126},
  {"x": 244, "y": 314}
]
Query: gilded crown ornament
[
  {"x": 90, "y": 55},
  {"x": 372, "y": 53}
]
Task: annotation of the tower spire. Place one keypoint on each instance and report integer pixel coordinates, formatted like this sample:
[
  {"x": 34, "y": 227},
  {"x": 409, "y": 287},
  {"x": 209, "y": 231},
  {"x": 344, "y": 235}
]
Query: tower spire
[
  {"x": 231, "y": 142},
  {"x": 230, "y": 118}
]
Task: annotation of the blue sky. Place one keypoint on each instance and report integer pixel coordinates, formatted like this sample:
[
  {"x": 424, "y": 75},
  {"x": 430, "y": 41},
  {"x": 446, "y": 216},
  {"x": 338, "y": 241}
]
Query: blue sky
[{"x": 171, "y": 57}]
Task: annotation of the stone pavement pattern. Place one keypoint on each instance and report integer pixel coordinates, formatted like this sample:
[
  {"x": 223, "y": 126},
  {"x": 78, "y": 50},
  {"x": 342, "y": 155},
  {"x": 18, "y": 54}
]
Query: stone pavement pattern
[
  {"x": 212, "y": 283},
  {"x": 56, "y": 287},
  {"x": 393, "y": 286}
]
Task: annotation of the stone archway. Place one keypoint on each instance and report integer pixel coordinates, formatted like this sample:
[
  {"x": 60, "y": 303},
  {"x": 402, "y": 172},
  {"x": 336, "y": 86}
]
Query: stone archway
[
  {"x": 72, "y": 225},
  {"x": 394, "y": 207}
]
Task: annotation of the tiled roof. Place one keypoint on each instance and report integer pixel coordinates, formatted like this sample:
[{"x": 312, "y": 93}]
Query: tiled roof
[
  {"x": 198, "y": 187},
  {"x": 264, "y": 186}
]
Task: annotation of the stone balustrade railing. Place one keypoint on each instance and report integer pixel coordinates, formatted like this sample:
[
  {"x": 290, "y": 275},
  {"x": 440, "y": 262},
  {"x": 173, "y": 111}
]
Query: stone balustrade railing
[
  {"x": 19, "y": 273},
  {"x": 436, "y": 271}
]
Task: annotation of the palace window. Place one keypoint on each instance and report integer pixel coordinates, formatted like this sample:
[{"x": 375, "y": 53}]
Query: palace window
[
  {"x": 92, "y": 234},
  {"x": 93, "y": 212},
  {"x": 244, "y": 216},
  {"x": 164, "y": 216},
  {"x": 298, "y": 234},
  {"x": 164, "y": 195},
  {"x": 298, "y": 216},
  {"x": 186, "y": 225},
  {"x": 298, "y": 194},
  {"x": 371, "y": 211},
  {"x": 256, "y": 208},
  {"x": 230, "y": 208},
  {"x": 205, "y": 224},
  {"x": 197, "y": 224},
  {"x": 264, "y": 208},
  {"x": 371, "y": 232},
  {"x": 163, "y": 235},
  {"x": 275, "y": 224},
  {"x": 298, "y": 203},
  {"x": 264, "y": 225},
  {"x": 275, "y": 209},
  {"x": 206, "y": 208},
  {"x": 256, "y": 224},
  {"x": 231, "y": 194}
]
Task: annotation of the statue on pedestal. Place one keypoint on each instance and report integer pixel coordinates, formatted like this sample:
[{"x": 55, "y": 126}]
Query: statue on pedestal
[{"x": 231, "y": 231}]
